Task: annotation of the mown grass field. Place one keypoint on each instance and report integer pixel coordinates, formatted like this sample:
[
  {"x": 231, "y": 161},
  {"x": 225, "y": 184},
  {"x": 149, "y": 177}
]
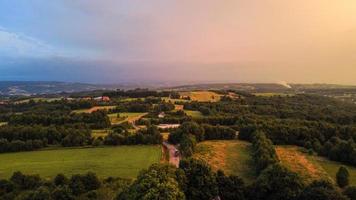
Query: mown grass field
[
  {"x": 311, "y": 167},
  {"x": 231, "y": 156},
  {"x": 93, "y": 109},
  {"x": 203, "y": 96},
  {"x": 123, "y": 161},
  {"x": 194, "y": 114},
  {"x": 130, "y": 117}
]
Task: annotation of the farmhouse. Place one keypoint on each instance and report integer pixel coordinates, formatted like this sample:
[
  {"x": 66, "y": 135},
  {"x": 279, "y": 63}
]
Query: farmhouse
[
  {"x": 161, "y": 115},
  {"x": 103, "y": 98}
]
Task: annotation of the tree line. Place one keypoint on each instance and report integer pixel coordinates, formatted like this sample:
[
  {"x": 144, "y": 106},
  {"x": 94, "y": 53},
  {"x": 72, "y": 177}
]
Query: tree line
[{"x": 27, "y": 138}]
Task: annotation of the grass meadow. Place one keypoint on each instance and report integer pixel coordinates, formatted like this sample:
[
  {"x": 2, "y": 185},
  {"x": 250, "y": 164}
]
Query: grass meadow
[
  {"x": 93, "y": 109},
  {"x": 203, "y": 96},
  {"x": 127, "y": 116},
  {"x": 194, "y": 114},
  {"x": 232, "y": 156},
  {"x": 123, "y": 161},
  {"x": 311, "y": 167}
]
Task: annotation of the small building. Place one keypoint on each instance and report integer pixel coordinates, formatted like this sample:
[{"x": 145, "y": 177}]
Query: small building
[
  {"x": 161, "y": 115},
  {"x": 103, "y": 98}
]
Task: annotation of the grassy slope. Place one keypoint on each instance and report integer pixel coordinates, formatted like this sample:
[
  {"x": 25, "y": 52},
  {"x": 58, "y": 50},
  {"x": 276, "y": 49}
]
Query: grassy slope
[
  {"x": 204, "y": 96},
  {"x": 124, "y": 161},
  {"x": 90, "y": 110},
  {"x": 332, "y": 167},
  {"x": 232, "y": 156},
  {"x": 125, "y": 117},
  {"x": 311, "y": 167},
  {"x": 194, "y": 114}
]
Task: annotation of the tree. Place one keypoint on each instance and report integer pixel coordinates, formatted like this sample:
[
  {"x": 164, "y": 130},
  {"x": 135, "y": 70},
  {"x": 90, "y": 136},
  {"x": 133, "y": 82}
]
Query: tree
[
  {"x": 350, "y": 192},
  {"x": 321, "y": 190},
  {"x": 201, "y": 181},
  {"x": 187, "y": 145},
  {"x": 342, "y": 177},
  {"x": 6, "y": 186},
  {"x": 25, "y": 181},
  {"x": 42, "y": 193},
  {"x": 60, "y": 179},
  {"x": 185, "y": 129},
  {"x": 158, "y": 182},
  {"x": 62, "y": 193},
  {"x": 277, "y": 183},
  {"x": 230, "y": 187}
]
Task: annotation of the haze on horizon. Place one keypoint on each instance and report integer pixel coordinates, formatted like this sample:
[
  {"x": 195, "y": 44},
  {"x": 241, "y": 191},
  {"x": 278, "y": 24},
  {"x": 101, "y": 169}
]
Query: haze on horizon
[{"x": 111, "y": 41}]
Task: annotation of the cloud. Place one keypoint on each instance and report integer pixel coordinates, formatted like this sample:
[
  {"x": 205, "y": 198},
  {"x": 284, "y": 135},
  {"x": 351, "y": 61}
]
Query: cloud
[{"x": 20, "y": 45}]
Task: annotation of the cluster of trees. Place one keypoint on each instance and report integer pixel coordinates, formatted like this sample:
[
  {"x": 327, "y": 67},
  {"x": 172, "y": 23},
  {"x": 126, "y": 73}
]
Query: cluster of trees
[
  {"x": 202, "y": 132},
  {"x": 63, "y": 106},
  {"x": 19, "y": 145},
  {"x": 338, "y": 150},
  {"x": 95, "y": 120},
  {"x": 164, "y": 107},
  {"x": 85, "y": 186},
  {"x": 121, "y": 136},
  {"x": 304, "y": 107},
  {"x": 331, "y": 140},
  {"x": 25, "y": 138},
  {"x": 277, "y": 182},
  {"x": 193, "y": 180},
  {"x": 264, "y": 153},
  {"x": 218, "y": 132},
  {"x": 134, "y": 106}
]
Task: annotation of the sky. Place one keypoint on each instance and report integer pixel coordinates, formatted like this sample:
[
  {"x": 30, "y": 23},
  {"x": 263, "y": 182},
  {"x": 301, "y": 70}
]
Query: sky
[{"x": 115, "y": 41}]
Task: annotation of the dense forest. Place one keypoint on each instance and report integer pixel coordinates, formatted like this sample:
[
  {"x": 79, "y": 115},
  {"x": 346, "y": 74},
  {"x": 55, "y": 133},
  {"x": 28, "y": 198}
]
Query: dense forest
[{"x": 322, "y": 125}]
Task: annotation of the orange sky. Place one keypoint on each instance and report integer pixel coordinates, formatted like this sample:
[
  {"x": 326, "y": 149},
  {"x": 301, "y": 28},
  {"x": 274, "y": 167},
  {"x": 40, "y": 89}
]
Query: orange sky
[{"x": 226, "y": 40}]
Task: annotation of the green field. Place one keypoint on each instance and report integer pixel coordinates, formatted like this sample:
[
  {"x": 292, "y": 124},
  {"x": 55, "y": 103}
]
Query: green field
[
  {"x": 3, "y": 123},
  {"x": 123, "y": 161},
  {"x": 231, "y": 156},
  {"x": 130, "y": 117},
  {"x": 194, "y": 114}
]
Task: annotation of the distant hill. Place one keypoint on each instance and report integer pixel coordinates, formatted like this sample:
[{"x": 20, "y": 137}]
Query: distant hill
[
  {"x": 262, "y": 87},
  {"x": 251, "y": 87},
  {"x": 27, "y": 88}
]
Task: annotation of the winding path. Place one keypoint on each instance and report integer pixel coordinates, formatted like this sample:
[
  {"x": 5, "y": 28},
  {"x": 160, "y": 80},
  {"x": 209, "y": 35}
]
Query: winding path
[{"x": 173, "y": 159}]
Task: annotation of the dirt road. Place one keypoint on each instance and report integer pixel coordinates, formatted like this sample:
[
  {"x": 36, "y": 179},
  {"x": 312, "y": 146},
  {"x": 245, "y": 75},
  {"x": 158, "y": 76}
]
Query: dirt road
[{"x": 173, "y": 159}]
